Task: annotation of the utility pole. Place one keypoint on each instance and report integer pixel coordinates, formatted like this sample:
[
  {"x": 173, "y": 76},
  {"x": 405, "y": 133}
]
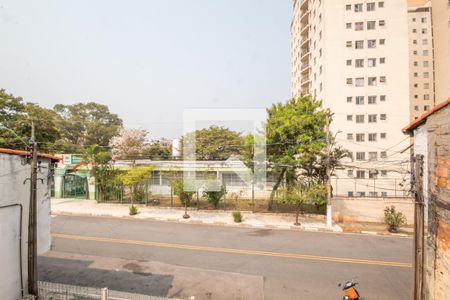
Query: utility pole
[
  {"x": 32, "y": 220},
  {"x": 328, "y": 169},
  {"x": 418, "y": 227}
]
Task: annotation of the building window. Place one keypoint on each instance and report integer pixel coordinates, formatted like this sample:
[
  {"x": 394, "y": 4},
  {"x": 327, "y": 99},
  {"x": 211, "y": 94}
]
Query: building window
[
  {"x": 359, "y": 63},
  {"x": 425, "y": 64},
  {"x": 382, "y": 60},
  {"x": 381, "y": 23},
  {"x": 372, "y": 137},
  {"x": 373, "y": 155},
  {"x": 383, "y": 173},
  {"x": 371, "y": 25},
  {"x": 349, "y": 117},
  {"x": 425, "y": 42},
  {"x": 426, "y": 75},
  {"x": 415, "y": 42},
  {"x": 384, "y": 194},
  {"x": 359, "y": 26},
  {"x": 372, "y": 62},
  {"x": 349, "y": 99},
  {"x": 360, "y": 174},
  {"x": 359, "y": 118},
  {"x": 359, "y": 81},
  {"x": 416, "y": 64},
  {"x": 350, "y": 136},
  {"x": 361, "y": 194},
  {"x": 372, "y": 100},
  {"x": 424, "y": 31},
  {"x": 382, "y": 41},
  {"x": 424, "y": 20},
  {"x": 415, "y": 74},
  {"x": 416, "y": 107},
  {"x": 358, "y": 7},
  {"x": 348, "y": 44},
  {"x": 371, "y": 6},
  {"x": 425, "y": 52},
  {"x": 348, "y": 7},
  {"x": 383, "y": 135},
  {"x": 349, "y": 81},
  {"x": 360, "y": 155},
  {"x": 415, "y": 52},
  {"x": 348, "y": 25},
  {"x": 349, "y": 194},
  {"x": 372, "y": 118},
  {"x": 381, "y": 4},
  {"x": 382, "y": 79},
  {"x": 426, "y": 97},
  {"x": 371, "y": 43},
  {"x": 416, "y": 85},
  {"x": 359, "y": 100},
  {"x": 383, "y": 154},
  {"x": 426, "y": 108},
  {"x": 383, "y": 98},
  {"x": 414, "y": 30},
  {"x": 350, "y": 173},
  {"x": 426, "y": 85},
  {"x": 383, "y": 117},
  {"x": 349, "y": 62},
  {"x": 359, "y": 44},
  {"x": 360, "y": 137},
  {"x": 372, "y": 81}
]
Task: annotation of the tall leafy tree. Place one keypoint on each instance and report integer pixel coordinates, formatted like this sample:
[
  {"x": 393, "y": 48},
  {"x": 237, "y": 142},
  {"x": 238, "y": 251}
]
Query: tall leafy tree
[
  {"x": 213, "y": 143},
  {"x": 129, "y": 143},
  {"x": 85, "y": 124},
  {"x": 158, "y": 149}
]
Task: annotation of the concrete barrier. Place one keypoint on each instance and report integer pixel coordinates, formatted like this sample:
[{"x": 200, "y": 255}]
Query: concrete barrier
[{"x": 348, "y": 210}]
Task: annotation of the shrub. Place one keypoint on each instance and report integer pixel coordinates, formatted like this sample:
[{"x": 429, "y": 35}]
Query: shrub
[
  {"x": 237, "y": 216},
  {"x": 133, "y": 210},
  {"x": 214, "y": 196},
  {"x": 183, "y": 193},
  {"x": 393, "y": 219}
]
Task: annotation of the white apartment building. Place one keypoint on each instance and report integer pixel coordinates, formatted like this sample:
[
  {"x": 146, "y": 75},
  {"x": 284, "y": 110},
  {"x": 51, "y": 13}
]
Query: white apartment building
[
  {"x": 441, "y": 36},
  {"x": 421, "y": 76},
  {"x": 353, "y": 55}
]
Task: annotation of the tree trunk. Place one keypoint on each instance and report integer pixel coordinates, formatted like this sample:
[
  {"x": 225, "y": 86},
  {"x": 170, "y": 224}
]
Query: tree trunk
[
  {"x": 296, "y": 216},
  {"x": 275, "y": 188}
]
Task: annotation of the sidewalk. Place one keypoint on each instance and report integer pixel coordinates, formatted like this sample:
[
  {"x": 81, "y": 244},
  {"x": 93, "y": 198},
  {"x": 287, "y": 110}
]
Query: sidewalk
[{"x": 252, "y": 220}]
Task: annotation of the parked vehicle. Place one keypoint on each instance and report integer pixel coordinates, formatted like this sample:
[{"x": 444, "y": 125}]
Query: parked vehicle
[{"x": 350, "y": 291}]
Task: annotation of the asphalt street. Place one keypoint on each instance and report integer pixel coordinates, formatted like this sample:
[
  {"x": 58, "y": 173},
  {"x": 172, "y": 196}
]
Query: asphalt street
[{"x": 218, "y": 262}]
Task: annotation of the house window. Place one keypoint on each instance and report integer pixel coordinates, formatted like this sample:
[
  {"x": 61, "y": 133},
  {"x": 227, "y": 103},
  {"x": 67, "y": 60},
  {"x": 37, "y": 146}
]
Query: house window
[
  {"x": 372, "y": 137},
  {"x": 359, "y": 63},
  {"x": 349, "y": 62},
  {"x": 359, "y": 26},
  {"x": 371, "y": 6},
  {"x": 359, "y": 81},
  {"x": 360, "y": 155},
  {"x": 371, "y": 25},
  {"x": 383, "y": 154},
  {"x": 359, "y": 44},
  {"x": 383, "y": 135},
  {"x": 371, "y": 43},
  {"x": 359, "y": 100},
  {"x": 349, "y": 117},
  {"x": 349, "y": 99},
  {"x": 360, "y": 174},
  {"x": 372, "y": 81},
  {"x": 350, "y": 136},
  {"x": 371, "y": 62},
  {"x": 372, "y": 100},
  {"x": 372, "y": 118},
  {"x": 359, "y": 118},
  {"x": 360, "y": 137},
  {"x": 358, "y": 7},
  {"x": 373, "y": 155},
  {"x": 383, "y": 117}
]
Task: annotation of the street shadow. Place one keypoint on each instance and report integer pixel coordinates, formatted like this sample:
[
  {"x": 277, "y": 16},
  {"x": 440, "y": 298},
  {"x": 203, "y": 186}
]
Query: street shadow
[{"x": 78, "y": 272}]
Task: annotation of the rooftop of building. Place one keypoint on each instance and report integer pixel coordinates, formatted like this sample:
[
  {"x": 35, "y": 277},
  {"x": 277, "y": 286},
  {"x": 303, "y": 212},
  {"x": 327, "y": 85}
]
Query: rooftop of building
[
  {"x": 26, "y": 153},
  {"x": 423, "y": 118}
]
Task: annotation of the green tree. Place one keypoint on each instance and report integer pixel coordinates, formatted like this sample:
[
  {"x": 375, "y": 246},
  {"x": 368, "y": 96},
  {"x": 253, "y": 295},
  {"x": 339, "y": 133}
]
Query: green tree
[
  {"x": 158, "y": 150},
  {"x": 85, "y": 124},
  {"x": 136, "y": 179},
  {"x": 295, "y": 138},
  {"x": 213, "y": 143},
  {"x": 302, "y": 193},
  {"x": 179, "y": 189},
  {"x": 102, "y": 170}
]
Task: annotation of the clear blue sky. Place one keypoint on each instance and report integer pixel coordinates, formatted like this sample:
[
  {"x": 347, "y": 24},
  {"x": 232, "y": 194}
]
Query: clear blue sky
[{"x": 149, "y": 59}]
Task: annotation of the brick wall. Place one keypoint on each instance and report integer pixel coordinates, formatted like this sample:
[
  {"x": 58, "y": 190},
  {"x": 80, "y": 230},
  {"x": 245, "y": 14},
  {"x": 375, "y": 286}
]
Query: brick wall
[{"x": 437, "y": 252}]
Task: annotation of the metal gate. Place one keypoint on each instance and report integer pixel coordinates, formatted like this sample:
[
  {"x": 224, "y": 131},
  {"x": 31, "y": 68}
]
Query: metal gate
[{"x": 74, "y": 186}]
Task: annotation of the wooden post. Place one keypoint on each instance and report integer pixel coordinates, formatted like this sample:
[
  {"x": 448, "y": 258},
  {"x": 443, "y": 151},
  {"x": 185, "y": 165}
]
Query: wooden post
[
  {"x": 32, "y": 220},
  {"x": 418, "y": 227}
]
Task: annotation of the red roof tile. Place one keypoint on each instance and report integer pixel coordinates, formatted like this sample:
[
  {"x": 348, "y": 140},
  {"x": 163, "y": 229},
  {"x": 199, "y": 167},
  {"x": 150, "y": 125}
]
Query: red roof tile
[
  {"x": 20, "y": 152},
  {"x": 414, "y": 124}
]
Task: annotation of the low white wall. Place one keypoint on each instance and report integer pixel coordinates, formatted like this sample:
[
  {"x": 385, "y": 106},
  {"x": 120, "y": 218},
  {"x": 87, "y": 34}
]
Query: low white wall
[
  {"x": 369, "y": 209},
  {"x": 13, "y": 190}
]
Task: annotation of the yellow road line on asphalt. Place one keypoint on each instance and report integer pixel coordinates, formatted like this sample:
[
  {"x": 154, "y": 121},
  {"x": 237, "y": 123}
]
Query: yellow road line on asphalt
[{"x": 232, "y": 250}]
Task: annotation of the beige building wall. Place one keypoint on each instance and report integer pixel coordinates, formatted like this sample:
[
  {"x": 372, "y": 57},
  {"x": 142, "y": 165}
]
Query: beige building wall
[
  {"x": 355, "y": 58},
  {"x": 441, "y": 40},
  {"x": 421, "y": 76}
]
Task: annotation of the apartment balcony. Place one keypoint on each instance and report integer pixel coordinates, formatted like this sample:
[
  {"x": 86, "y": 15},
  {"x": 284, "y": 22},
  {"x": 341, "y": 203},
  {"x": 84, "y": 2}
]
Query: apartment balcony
[
  {"x": 304, "y": 41},
  {"x": 304, "y": 4},
  {"x": 304, "y": 68},
  {"x": 305, "y": 80},
  {"x": 304, "y": 18},
  {"x": 304, "y": 30},
  {"x": 305, "y": 55}
]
